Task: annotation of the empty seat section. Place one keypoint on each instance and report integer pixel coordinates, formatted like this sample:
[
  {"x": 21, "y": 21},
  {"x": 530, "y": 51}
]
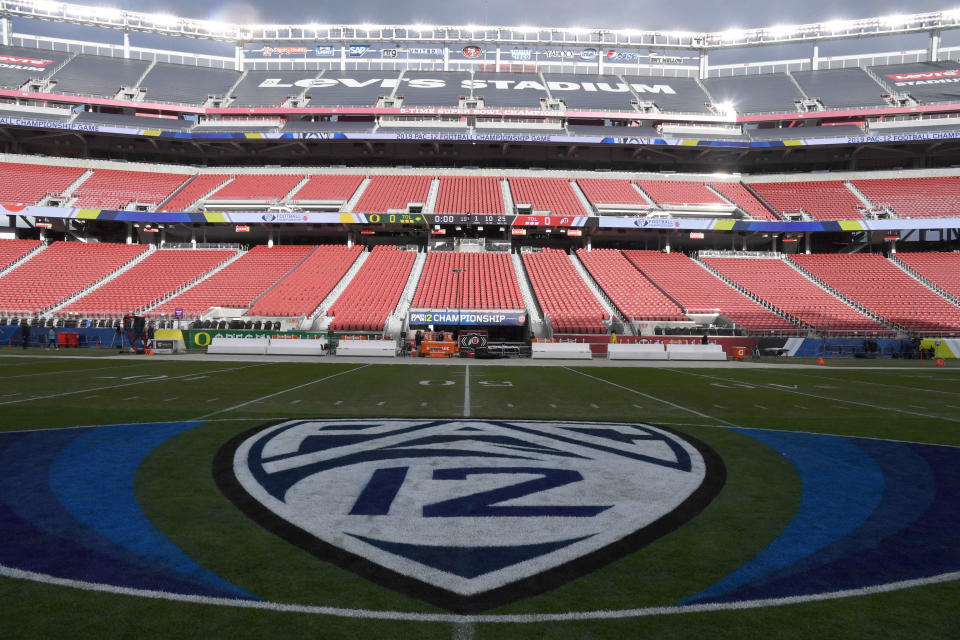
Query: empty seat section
[
  {"x": 755, "y": 94},
  {"x": 669, "y": 192},
  {"x": 606, "y": 92},
  {"x": 940, "y": 268},
  {"x": 115, "y": 189},
  {"x": 98, "y": 76},
  {"x": 13, "y": 250},
  {"x": 840, "y": 88},
  {"x": 187, "y": 84},
  {"x": 554, "y": 195},
  {"x": 276, "y": 87},
  {"x": 822, "y": 199},
  {"x": 673, "y": 95},
  {"x": 194, "y": 190},
  {"x": 699, "y": 291},
  {"x": 563, "y": 295},
  {"x": 393, "y": 193},
  {"x": 915, "y": 197},
  {"x": 631, "y": 292},
  {"x": 30, "y": 183},
  {"x": 332, "y": 188},
  {"x": 876, "y": 283},
  {"x": 420, "y": 88},
  {"x": 374, "y": 292},
  {"x": 351, "y": 88},
  {"x": 611, "y": 192},
  {"x": 239, "y": 283},
  {"x": 509, "y": 90},
  {"x": 469, "y": 195},
  {"x": 778, "y": 283},
  {"x": 257, "y": 187},
  {"x": 304, "y": 289},
  {"x": 61, "y": 270},
  {"x": 155, "y": 277},
  {"x": 741, "y": 196},
  {"x": 487, "y": 282}
]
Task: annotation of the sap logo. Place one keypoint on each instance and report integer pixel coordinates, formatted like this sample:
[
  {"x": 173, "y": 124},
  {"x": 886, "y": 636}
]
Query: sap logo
[
  {"x": 470, "y": 513},
  {"x": 357, "y": 50},
  {"x": 588, "y": 54},
  {"x": 472, "y": 51},
  {"x": 326, "y": 50}
]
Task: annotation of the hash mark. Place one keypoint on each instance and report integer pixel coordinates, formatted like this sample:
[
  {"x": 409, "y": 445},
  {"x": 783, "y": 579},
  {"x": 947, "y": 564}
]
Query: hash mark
[{"x": 594, "y": 406}]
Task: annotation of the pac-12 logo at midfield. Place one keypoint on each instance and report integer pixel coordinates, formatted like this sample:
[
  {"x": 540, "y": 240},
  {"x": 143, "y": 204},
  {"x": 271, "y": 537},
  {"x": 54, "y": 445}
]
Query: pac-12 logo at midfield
[{"x": 468, "y": 514}]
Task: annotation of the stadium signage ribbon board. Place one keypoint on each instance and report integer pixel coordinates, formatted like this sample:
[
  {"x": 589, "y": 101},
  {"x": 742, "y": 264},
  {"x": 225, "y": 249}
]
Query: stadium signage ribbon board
[
  {"x": 513, "y": 318},
  {"x": 468, "y": 512}
]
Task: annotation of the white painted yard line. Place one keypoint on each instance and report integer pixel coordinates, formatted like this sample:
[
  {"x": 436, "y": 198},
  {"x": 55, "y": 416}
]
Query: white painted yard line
[
  {"x": 466, "y": 391},
  {"x": 650, "y": 397},
  {"x": 338, "y": 403},
  {"x": 595, "y": 406},
  {"x": 759, "y": 406},
  {"x": 828, "y": 398},
  {"x": 464, "y": 630},
  {"x": 637, "y": 406},
  {"x": 521, "y": 618},
  {"x": 278, "y": 393},
  {"x": 171, "y": 399},
  {"x": 296, "y": 401},
  {"x": 125, "y": 384},
  {"x": 212, "y": 400},
  {"x": 878, "y": 384},
  {"x": 952, "y": 406},
  {"x": 79, "y": 371},
  {"x": 381, "y": 403},
  {"x": 131, "y": 398},
  {"x": 719, "y": 406}
]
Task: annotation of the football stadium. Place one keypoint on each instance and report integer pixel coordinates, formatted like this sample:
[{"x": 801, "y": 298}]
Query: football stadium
[{"x": 343, "y": 330}]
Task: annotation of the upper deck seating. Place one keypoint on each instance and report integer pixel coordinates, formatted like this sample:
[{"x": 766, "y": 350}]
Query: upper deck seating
[
  {"x": 257, "y": 188},
  {"x": 352, "y": 88},
  {"x": 937, "y": 197},
  {"x": 841, "y": 88},
  {"x": 928, "y": 82},
  {"x": 197, "y": 188},
  {"x": 668, "y": 193},
  {"x": 554, "y": 195},
  {"x": 393, "y": 193},
  {"x": 433, "y": 88},
  {"x": 822, "y": 199},
  {"x": 98, "y": 76},
  {"x": 21, "y": 64},
  {"x": 755, "y": 94},
  {"x": 115, "y": 188},
  {"x": 684, "y": 94},
  {"x": 606, "y": 193},
  {"x": 22, "y": 183},
  {"x": 332, "y": 188},
  {"x": 591, "y": 93},
  {"x": 469, "y": 194},
  {"x": 743, "y": 198},
  {"x": 278, "y": 86},
  {"x": 187, "y": 84},
  {"x": 509, "y": 90}
]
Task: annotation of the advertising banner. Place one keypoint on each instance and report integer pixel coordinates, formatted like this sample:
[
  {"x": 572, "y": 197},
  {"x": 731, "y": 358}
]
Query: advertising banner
[
  {"x": 200, "y": 338},
  {"x": 467, "y": 318}
]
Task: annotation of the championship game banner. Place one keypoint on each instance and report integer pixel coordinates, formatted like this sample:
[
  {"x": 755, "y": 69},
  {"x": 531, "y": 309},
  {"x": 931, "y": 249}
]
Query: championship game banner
[
  {"x": 465, "y": 318},
  {"x": 200, "y": 338}
]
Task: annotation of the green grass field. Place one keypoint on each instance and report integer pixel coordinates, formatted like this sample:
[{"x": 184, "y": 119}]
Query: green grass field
[{"x": 176, "y": 490}]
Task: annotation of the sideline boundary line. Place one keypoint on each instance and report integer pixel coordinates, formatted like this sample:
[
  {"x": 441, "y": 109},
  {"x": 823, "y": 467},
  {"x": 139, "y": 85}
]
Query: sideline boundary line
[
  {"x": 53, "y": 373},
  {"x": 373, "y": 614},
  {"x": 278, "y": 393}
]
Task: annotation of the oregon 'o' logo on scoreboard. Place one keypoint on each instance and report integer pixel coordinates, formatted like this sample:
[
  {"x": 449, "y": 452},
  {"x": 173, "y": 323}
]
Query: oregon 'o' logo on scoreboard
[{"x": 468, "y": 514}]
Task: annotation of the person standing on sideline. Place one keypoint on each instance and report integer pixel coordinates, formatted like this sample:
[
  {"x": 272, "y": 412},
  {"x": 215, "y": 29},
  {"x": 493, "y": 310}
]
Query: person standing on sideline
[
  {"x": 613, "y": 337},
  {"x": 705, "y": 339},
  {"x": 25, "y": 332},
  {"x": 52, "y": 339}
]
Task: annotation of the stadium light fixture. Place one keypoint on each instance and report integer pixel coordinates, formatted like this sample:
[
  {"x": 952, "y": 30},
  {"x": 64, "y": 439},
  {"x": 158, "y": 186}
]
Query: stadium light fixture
[
  {"x": 732, "y": 34},
  {"x": 950, "y": 14},
  {"x": 727, "y": 108},
  {"x": 47, "y": 6},
  {"x": 836, "y": 26},
  {"x": 108, "y": 13},
  {"x": 165, "y": 21},
  {"x": 781, "y": 31},
  {"x": 894, "y": 21}
]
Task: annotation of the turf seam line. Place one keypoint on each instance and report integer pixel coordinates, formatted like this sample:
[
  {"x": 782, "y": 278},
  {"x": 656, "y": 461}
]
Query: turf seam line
[
  {"x": 272, "y": 395},
  {"x": 650, "y": 397},
  {"x": 491, "y": 618}
]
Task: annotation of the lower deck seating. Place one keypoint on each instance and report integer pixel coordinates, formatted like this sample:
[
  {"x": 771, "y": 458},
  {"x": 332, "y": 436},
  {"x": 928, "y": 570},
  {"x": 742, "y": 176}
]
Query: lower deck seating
[
  {"x": 563, "y": 295},
  {"x": 304, "y": 289},
  {"x": 698, "y": 290},
  {"x": 13, "y": 250},
  {"x": 940, "y": 268},
  {"x": 881, "y": 286},
  {"x": 240, "y": 282},
  {"x": 374, "y": 291},
  {"x": 488, "y": 281},
  {"x": 637, "y": 298}
]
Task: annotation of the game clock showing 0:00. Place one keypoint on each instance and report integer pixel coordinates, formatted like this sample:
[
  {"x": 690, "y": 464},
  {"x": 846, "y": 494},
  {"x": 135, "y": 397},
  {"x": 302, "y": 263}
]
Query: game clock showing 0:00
[{"x": 466, "y": 218}]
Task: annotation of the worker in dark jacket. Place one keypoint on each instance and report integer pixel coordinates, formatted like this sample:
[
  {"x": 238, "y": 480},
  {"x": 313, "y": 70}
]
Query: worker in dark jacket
[{"x": 25, "y": 332}]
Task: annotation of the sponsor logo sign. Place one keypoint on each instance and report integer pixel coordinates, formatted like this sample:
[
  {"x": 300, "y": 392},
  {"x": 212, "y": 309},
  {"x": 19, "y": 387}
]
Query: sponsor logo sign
[
  {"x": 618, "y": 55},
  {"x": 326, "y": 50},
  {"x": 468, "y": 512},
  {"x": 518, "y": 53},
  {"x": 924, "y": 75},
  {"x": 472, "y": 51},
  {"x": 24, "y": 63},
  {"x": 283, "y": 51},
  {"x": 588, "y": 54},
  {"x": 357, "y": 50},
  {"x": 468, "y": 318}
]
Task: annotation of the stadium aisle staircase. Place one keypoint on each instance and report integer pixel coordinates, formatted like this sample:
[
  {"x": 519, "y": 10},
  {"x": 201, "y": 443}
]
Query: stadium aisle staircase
[
  {"x": 115, "y": 189},
  {"x": 821, "y": 199},
  {"x": 302, "y": 291},
  {"x": 15, "y": 251},
  {"x": 939, "y": 270},
  {"x": 194, "y": 191},
  {"x": 22, "y": 183}
]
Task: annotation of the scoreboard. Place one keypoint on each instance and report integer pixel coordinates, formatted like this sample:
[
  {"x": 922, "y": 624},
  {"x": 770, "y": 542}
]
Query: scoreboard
[{"x": 471, "y": 219}]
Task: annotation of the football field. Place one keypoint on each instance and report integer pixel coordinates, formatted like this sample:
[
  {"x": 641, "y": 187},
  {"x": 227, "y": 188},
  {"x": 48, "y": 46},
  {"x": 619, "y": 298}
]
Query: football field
[{"x": 183, "y": 498}]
